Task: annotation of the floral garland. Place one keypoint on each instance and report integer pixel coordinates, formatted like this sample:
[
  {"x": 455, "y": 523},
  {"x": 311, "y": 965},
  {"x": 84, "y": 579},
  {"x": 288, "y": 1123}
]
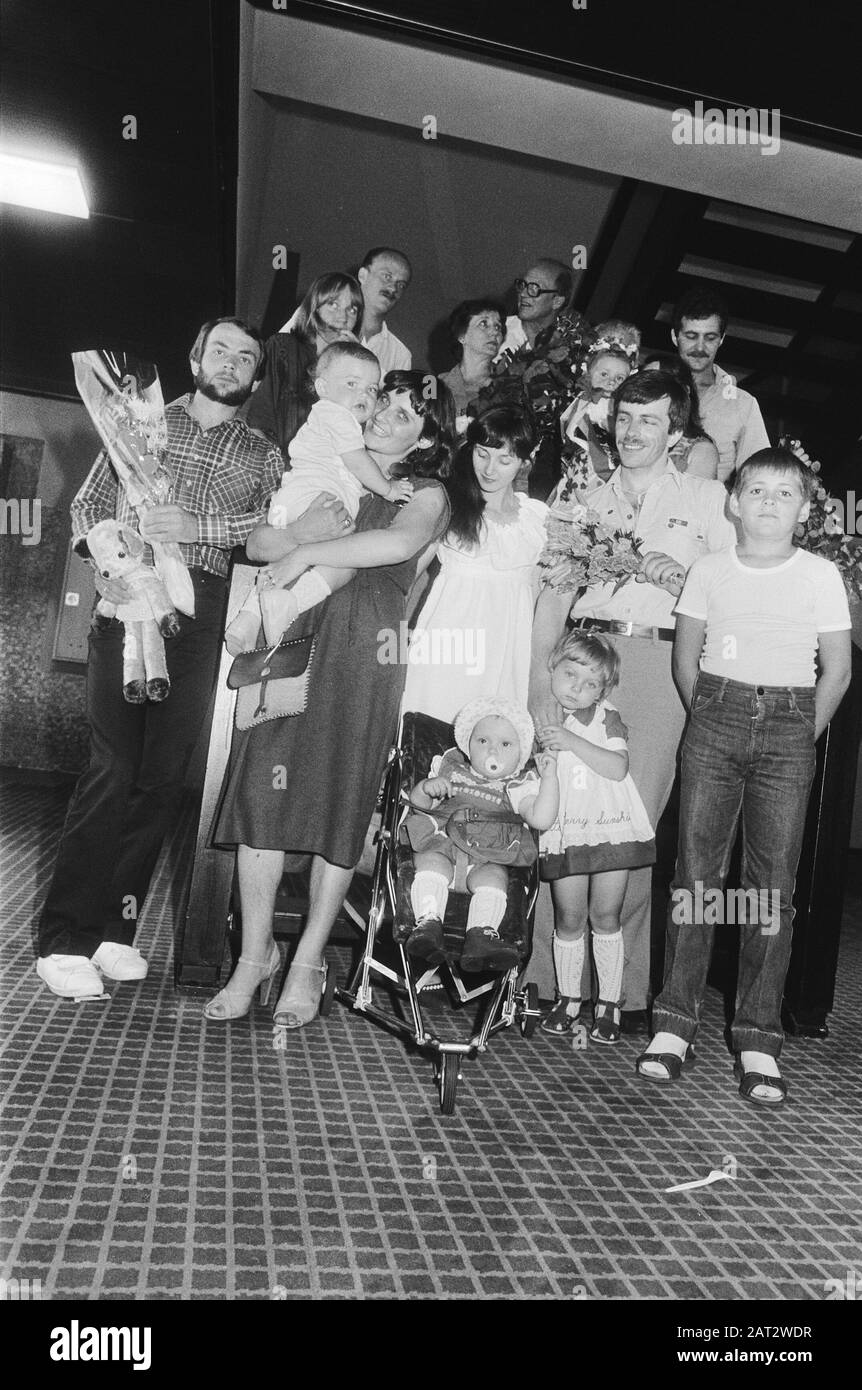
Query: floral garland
[
  {"x": 580, "y": 551},
  {"x": 822, "y": 533}
]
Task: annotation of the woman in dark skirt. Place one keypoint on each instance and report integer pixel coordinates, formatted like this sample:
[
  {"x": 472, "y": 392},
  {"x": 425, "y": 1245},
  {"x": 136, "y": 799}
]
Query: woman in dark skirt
[{"x": 308, "y": 784}]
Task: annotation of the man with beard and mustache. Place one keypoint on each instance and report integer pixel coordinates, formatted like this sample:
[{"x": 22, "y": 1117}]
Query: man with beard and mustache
[
  {"x": 730, "y": 416},
  {"x": 125, "y": 801}
]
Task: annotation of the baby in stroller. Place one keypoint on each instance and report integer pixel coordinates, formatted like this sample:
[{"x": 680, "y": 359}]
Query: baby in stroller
[{"x": 470, "y": 821}]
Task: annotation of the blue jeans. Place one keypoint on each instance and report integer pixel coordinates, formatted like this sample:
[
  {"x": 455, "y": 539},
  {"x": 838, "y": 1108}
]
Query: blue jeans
[{"x": 748, "y": 750}]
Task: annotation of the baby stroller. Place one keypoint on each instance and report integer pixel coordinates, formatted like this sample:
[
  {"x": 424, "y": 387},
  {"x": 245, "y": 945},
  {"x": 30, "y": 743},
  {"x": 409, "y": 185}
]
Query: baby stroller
[{"x": 391, "y": 917}]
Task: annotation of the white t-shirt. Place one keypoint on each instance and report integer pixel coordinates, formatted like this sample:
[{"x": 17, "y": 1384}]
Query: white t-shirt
[
  {"x": 315, "y": 463},
  {"x": 762, "y": 624}
]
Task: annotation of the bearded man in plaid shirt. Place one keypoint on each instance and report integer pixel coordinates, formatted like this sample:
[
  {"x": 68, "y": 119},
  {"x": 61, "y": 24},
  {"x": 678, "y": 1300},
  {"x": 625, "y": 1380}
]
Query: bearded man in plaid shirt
[{"x": 125, "y": 801}]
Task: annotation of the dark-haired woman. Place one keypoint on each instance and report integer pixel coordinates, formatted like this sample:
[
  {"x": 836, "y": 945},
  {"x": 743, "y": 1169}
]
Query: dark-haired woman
[
  {"x": 476, "y": 329},
  {"x": 332, "y": 757},
  {"x": 473, "y": 633},
  {"x": 696, "y": 452}
]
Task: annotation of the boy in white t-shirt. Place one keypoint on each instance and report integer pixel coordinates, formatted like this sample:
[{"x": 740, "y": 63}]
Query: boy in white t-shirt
[
  {"x": 327, "y": 454},
  {"x": 754, "y": 624}
]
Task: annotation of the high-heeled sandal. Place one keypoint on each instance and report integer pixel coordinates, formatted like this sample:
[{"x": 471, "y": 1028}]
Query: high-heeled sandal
[
  {"x": 294, "y": 1012},
  {"x": 226, "y": 1005}
]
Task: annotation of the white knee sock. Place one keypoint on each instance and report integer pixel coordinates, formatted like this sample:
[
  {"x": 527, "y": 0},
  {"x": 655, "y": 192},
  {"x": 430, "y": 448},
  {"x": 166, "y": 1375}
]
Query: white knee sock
[
  {"x": 429, "y": 895},
  {"x": 608, "y": 954},
  {"x": 487, "y": 908},
  {"x": 569, "y": 965}
]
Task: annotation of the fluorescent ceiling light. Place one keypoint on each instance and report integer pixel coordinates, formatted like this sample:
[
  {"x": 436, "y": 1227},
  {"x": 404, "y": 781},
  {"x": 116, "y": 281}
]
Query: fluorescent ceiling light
[{"x": 32, "y": 183}]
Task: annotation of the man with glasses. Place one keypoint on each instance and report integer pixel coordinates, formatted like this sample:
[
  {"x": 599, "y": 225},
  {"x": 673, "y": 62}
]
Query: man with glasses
[{"x": 543, "y": 293}]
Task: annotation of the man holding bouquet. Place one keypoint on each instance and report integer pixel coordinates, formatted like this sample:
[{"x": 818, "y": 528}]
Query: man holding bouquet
[
  {"x": 123, "y": 805},
  {"x": 674, "y": 518}
]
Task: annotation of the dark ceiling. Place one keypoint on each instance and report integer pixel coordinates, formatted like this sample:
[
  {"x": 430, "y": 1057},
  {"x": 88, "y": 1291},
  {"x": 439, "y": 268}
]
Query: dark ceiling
[
  {"x": 797, "y": 55},
  {"x": 156, "y": 256}
]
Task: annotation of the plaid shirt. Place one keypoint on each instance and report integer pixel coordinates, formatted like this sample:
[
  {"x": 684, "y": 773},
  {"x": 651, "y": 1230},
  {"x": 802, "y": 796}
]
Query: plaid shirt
[{"x": 224, "y": 476}]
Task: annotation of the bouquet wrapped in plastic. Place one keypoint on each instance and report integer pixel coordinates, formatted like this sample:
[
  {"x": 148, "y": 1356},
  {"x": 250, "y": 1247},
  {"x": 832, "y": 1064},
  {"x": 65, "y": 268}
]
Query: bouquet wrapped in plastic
[{"x": 124, "y": 398}]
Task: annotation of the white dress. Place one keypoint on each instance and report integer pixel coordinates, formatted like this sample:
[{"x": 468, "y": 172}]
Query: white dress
[
  {"x": 472, "y": 636},
  {"x": 602, "y": 824}
]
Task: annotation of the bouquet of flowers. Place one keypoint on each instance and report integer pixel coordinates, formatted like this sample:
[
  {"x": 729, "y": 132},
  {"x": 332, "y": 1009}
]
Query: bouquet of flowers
[
  {"x": 581, "y": 551},
  {"x": 124, "y": 399},
  {"x": 546, "y": 375},
  {"x": 823, "y": 530}
]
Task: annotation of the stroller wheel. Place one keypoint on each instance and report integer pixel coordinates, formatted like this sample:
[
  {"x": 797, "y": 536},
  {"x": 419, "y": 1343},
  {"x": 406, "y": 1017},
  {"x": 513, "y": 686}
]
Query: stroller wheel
[
  {"x": 528, "y": 1010},
  {"x": 328, "y": 991},
  {"x": 447, "y": 1080}
]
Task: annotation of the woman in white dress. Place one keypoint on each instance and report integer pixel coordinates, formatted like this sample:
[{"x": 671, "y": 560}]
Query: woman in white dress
[{"x": 472, "y": 636}]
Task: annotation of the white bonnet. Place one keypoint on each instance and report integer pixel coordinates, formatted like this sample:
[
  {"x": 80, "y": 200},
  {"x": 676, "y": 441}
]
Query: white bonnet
[{"x": 467, "y": 719}]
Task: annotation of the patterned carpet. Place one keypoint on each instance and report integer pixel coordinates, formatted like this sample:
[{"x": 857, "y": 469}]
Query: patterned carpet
[{"x": 150, "y": 1155}]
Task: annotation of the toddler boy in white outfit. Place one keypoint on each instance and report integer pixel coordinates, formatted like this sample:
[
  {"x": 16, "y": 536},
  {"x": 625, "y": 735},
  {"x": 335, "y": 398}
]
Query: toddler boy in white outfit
[{"x": 327, "y": 454}]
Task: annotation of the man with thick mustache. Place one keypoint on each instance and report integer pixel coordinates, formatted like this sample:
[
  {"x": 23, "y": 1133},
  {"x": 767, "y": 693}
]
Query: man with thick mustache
[
  {"x": 731, "y": 416},
  {"x": 125, "y": 801},
  {"x": 676, "y": 518}
]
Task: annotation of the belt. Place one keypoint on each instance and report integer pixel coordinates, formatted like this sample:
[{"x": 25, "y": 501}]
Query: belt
[{"x": 660, "y": 634}]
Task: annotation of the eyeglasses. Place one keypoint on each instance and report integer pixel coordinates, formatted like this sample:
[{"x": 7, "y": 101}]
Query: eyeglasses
[{"x": 531, "y": 289}]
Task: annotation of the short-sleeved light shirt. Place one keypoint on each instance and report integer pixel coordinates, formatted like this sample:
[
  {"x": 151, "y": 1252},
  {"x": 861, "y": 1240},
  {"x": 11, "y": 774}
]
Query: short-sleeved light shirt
[
  {"x": 732, "y": 418},
  {"x": 680, "y": 516},
  {"x": 762, "y": 625}
]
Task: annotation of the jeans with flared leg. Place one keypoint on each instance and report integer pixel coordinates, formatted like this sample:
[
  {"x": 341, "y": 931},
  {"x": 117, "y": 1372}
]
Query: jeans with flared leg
[{"x": 748, "y": 752}]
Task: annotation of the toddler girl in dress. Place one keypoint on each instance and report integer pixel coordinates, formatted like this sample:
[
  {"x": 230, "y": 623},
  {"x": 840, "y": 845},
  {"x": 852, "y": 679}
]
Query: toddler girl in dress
[
  {"x": 472, "y": 635},
  {"x": 601, "y": 832}
]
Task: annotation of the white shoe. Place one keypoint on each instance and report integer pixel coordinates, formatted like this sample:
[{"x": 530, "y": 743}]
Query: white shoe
[
  {"x": 120, "y": 962},
  {"x": 72, "y": 977}
]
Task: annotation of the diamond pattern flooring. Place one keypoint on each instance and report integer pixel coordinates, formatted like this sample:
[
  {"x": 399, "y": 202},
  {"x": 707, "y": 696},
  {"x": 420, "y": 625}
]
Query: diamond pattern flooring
[{"x": 148, "y": 1154}]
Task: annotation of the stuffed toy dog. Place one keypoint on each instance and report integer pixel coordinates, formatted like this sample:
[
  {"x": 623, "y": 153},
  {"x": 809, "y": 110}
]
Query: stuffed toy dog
[{"x": 117, "y": 551}]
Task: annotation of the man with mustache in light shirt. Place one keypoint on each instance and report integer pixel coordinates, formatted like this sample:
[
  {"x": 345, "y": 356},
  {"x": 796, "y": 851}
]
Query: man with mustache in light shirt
[{"x": 730, "y": 416}]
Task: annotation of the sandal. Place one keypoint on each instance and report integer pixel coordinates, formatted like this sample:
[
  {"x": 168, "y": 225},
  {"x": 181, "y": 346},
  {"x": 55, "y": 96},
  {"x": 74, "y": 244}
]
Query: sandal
[
  {"x": 607, "y": 1028},
  {"x": 295, "y": 1010},
  {"x": 748, "y": 1080},
  {"x": 229, "y": 1003},
  {"x": 672, "y": 1064},
  {"x": 558, "y": 1020}
]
